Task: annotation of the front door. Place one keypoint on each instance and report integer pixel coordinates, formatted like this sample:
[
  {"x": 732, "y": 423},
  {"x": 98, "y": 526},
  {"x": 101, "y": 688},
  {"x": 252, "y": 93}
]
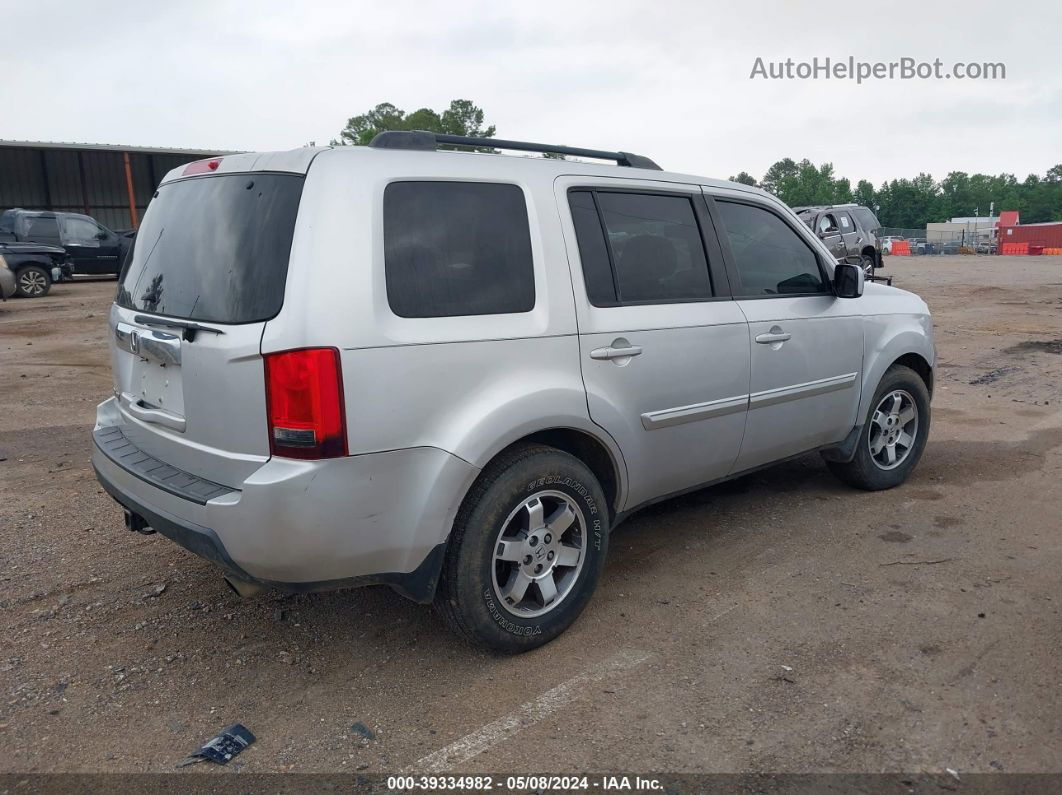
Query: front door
[
  {"x": 829, "y": 231},
  {"x": 664, "y": 351},
  {"x": 807, "y": 344},
  {"x": 88, "y": 245}
]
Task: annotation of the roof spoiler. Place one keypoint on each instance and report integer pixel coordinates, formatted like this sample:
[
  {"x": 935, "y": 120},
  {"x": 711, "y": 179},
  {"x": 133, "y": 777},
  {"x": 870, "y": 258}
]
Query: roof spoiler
[{"x": 424, "y": 141}]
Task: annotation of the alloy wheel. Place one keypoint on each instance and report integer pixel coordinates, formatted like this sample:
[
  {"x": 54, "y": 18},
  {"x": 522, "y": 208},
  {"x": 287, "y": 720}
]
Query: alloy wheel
[
  {"x": 893, "y": 429},
  {"x": 32, "y": 283},
  {"x": 539, "y": 554}
]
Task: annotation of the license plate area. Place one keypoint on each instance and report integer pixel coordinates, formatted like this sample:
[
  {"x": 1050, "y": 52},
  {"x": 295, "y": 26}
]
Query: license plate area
[
  {"x": 158, "y": 386},
  {"x": 155, "y": 368}
]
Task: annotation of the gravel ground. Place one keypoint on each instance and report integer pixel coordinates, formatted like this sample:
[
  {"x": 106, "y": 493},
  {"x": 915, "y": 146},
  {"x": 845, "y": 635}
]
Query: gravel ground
[{"x": 781, "y": 622}]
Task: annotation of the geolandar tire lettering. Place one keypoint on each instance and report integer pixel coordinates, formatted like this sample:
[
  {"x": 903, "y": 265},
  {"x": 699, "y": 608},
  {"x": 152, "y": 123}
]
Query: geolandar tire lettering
[{"x": 526, "y": 551}]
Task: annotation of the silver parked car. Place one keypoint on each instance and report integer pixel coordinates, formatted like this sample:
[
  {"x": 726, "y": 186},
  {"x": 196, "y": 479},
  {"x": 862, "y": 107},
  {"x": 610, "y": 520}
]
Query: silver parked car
[{"x": 455, "y": 372}]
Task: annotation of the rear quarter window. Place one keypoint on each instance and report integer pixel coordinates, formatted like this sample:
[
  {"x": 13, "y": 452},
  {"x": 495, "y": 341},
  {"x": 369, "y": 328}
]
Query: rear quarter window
[
  {"x": 456, "y": 249},
  {"x": 866, "y": 219}
]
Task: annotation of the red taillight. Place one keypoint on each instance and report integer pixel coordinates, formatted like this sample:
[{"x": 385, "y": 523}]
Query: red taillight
[
  {"x": 202, "y": 166},
  {"x": 304, "y": 401}
]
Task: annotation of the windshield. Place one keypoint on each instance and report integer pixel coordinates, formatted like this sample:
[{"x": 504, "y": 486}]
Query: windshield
[{"x": 214, "y": 248}]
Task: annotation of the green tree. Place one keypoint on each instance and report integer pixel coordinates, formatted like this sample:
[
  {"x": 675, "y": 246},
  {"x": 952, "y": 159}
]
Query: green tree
[
  {"x": 463, "y": 117},
  {"x": 912, "y": 203},
  {"x": 779, "y": 177},
  {"x": 745, "y": 179},
  {"x": 842, "y": 191},
  {"x": 864, "y": 194}
]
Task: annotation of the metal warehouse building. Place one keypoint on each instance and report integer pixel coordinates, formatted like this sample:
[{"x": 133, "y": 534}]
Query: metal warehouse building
[{"x": 113, "y": 184}]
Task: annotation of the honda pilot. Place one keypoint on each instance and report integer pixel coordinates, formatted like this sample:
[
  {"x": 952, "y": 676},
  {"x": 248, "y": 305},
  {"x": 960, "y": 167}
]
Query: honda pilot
[{"x": 455, "y": 372}]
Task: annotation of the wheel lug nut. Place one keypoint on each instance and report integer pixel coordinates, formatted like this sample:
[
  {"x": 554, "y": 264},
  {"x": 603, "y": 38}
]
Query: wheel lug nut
[
  {"x": 550, "y": 556},
  {"x": 548, "y": 538},
  {"x": 533, "y": 541},
  {"x": 538, "y": 569},
  {"x": 527, "y": 560}
]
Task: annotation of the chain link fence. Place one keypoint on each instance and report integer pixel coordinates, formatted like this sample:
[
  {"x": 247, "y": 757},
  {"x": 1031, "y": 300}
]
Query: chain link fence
[{"x": 968, "y": 239}]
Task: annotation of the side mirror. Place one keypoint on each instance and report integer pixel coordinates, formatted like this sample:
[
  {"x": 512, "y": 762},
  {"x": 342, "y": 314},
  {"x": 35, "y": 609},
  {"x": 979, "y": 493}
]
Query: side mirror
[
  {"x": 101, "y": 235},
  {"x": 848, "y": 280}
]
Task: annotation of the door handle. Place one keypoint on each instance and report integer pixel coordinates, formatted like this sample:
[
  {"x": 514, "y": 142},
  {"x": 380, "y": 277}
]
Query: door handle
[
  {"x": 767, "y": 339},
  {"x": 155, "y": 416},
  {"x": 616, "y": 353}
]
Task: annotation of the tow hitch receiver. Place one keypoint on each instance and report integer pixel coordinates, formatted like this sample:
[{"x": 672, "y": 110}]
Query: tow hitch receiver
[{"x": 135, "y": 522}]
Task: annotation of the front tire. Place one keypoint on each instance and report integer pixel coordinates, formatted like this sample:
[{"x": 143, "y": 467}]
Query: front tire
[
  {"x": 894, "y": 434},
  {"x": 526, "y": 551},
  {"x": 32, "y": 282}
]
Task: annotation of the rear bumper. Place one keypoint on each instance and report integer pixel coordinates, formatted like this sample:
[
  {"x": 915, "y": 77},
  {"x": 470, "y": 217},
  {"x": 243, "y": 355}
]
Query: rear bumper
[{"x": 380, "y": 518}]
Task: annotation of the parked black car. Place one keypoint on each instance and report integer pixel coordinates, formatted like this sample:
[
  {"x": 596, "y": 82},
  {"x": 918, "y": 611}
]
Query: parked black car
[
  {"x": 848, "y": 230},
  {"x": 92, "y": 247},
  {"x": 35, "y": 266}
]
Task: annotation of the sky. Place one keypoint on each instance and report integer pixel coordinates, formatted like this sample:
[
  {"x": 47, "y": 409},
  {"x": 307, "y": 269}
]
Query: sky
[{"x": 670, "y": 80}]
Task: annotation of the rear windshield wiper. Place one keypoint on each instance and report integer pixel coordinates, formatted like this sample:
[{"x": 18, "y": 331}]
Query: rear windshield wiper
[{"x": 190, "y": 327}]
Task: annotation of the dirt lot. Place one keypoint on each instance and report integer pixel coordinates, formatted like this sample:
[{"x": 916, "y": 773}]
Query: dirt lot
[{"x": 781, "y": 622}]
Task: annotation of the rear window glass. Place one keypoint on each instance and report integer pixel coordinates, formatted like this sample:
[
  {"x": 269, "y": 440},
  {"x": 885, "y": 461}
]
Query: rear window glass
[
  {"x": 214, "y": 248},
  {"x": 457, "y": 248}
]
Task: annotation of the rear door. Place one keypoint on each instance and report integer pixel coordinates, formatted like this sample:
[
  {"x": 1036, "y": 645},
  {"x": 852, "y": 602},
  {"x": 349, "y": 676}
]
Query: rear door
[
  {"x": 807, "y": 344},
  {"x": 206, "y": 273},
  {"x": 853, "y": 238},
  {"x": 664, "y": 351},
  {"x": 40, "y": 228}
]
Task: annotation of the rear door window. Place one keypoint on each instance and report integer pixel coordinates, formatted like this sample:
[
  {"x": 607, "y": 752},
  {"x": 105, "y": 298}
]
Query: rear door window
[
  {"x": 214, "y": 248},
  {"x": 639, "y": 248},
  {"x": 42, "y": 229},
  {"x": 457, "y": 249}
]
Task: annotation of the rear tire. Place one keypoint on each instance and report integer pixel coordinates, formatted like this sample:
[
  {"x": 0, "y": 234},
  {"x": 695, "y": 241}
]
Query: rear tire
[
  {"x": 32, "y": 282},
  {"x": 526, "y": 551},
  {"x": 868, "y": 264},
  {"x": 898, "y": 417}
]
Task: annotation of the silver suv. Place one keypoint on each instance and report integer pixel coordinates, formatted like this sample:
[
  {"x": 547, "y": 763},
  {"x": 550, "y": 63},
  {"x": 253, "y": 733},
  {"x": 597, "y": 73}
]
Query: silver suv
[{"x": 455, "y": 372}]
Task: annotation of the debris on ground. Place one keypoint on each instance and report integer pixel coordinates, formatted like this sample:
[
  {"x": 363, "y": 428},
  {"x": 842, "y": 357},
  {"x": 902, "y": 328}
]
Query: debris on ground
[
  {"x": 992, "y": 376},
  {"x": 1045, "y": 346},
  {"x": 221, "y": 748},
  {"x": 362, "y": 730},
  {"x": 918, "y": 562}
]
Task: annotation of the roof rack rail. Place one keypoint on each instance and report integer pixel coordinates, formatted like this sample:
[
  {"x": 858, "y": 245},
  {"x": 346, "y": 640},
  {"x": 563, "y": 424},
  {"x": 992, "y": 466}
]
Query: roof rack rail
[{"x": 425, "y": 141}]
